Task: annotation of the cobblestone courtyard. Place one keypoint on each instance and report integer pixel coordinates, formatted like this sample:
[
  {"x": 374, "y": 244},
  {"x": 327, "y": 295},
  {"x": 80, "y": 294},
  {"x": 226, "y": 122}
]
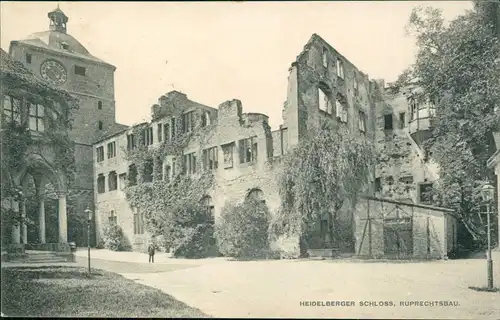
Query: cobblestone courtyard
[{"x": 224, "y": 288}]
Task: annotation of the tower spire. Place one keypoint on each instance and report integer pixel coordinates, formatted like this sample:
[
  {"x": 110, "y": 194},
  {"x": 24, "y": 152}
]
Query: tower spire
[{"x": 58, "y": 19}]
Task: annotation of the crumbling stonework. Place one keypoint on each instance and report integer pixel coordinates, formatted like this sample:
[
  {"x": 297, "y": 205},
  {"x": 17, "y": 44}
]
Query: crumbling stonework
[
  {"x": 322, "y": 86},
  {"x": 402, "y": 164}
]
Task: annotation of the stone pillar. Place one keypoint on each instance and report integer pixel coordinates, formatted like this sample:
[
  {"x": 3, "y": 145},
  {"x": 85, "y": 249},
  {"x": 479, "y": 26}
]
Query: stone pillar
[
  {"x": 16, "y": 230},
  {"x": 63, "y": 221},
  {"x": 41, "y": 220},
  {"x": 40, "y": 191},
  {"x": 24, "y": 227}
]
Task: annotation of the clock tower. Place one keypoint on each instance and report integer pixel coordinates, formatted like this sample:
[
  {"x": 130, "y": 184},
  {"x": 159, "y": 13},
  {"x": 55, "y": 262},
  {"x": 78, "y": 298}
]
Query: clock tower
[{"x": 61, "y": 60}]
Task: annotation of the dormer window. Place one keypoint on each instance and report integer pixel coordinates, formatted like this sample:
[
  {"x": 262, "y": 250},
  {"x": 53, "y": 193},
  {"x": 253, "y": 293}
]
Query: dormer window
[{"x": 64, "y": 46}]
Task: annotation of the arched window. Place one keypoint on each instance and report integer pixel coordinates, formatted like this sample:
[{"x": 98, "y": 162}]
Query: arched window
[
  {"x": 100, "y": 125},
  {"x": 256, "y": 194},
  {"x": 99, "y": 105}
]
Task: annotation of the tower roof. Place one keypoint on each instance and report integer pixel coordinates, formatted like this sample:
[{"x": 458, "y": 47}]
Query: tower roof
[
  {"x": 58, "y": 20},
  {"x": 57, "y": 39}
]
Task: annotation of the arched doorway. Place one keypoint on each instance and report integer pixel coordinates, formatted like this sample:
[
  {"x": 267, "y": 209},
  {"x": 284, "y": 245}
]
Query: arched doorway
[
  {"x": 256, "y": 194},
  {"x": 209, "y": 239}
]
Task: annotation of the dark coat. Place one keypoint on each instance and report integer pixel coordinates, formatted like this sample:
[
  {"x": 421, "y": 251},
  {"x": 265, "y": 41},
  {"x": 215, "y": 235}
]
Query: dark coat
[{"x": 151, "y": 249}]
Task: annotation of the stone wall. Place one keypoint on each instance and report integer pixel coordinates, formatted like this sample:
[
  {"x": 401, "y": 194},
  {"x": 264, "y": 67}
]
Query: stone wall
[{"x": 232, "y": 182}]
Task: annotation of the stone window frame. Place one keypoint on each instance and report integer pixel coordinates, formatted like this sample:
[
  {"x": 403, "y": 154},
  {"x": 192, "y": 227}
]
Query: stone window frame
[
  {"x": 324, "y": 57},
  {"x": 324, "y": 93},
  {"x": 147, "y": 135},
  {"x": 189, "y": 163},
  {"x": 99, "y": 105},
  {"x": 12, "y": 109},
  {"x": 79, "y": 70},
  {"x": 341, "y": 109},
  {"x": 112, "y": 181},
  {"x": 248, "y": 150},
  {"x": 160, "y": 132},
  {"x": 131, "y": 143},
  {"x": 228, "y": 154},
  {"x": 355, "y": 83},
  {"x": 101, "y": 183},
  {"x": 340, "y": 68},
  {"x": 389, "y": 125},
  {"x": 420, "y": 193},
  {"x": 122, "y": 180},
  {"x": 402, "y": 120},
  {"x": 111, "y": 149},
  {"x": 166, "y": 132},
  {"x": 188, "y": 121},
  {"x": 211, "y": 154},
  {"x": 28, "y": 57},
  {"x": 36, "y": 113},
  {"x": 205, "y": 119},
  {"x": 100, "y": 154}
]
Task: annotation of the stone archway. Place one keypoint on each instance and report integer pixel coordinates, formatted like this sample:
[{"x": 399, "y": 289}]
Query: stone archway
[
  {"x": 256, "y": 194},
  {"x": 43, "y": 176}
]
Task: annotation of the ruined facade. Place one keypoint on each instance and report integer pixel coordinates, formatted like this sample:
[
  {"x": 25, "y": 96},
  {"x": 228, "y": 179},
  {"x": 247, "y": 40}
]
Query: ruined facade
[
  {"x": 405, "y": 171},
  {"x": 243, "y": 152}
]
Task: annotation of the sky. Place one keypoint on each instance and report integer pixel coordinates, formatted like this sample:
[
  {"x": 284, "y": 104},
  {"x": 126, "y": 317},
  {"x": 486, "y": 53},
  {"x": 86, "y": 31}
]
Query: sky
[{"x": 220, "y": 51}]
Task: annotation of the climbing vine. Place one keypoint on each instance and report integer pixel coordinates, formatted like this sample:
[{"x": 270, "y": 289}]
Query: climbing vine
[
  {"x": 164, "y": 201},
  {"x": 52, "y": 146},
  {"x": 326, "y": 170}
]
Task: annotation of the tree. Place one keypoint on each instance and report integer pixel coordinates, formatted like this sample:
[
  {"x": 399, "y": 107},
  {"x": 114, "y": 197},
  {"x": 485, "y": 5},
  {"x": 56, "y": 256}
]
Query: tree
[
  {"x": 326, "y": 169},
  {"x": 458, "y": 68},
  {"x": 243, "y": 230}
]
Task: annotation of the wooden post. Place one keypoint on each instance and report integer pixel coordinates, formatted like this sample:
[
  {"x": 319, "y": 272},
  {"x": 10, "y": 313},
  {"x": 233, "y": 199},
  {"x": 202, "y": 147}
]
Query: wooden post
[
  {"x": 369, "y": 231},
  {"x": 428, "y": 237}
]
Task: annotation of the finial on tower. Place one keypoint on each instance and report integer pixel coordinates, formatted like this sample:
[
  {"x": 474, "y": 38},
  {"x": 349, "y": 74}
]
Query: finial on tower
[{"x": 58, "y": 20}]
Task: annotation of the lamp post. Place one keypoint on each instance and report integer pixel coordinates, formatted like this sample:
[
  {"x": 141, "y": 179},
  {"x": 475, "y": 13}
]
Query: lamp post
[
  {"x": 487, "y": 193},
  {"x": 89, "y": 219}
]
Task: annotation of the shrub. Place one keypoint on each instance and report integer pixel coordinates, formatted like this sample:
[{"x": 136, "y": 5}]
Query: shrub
[
  {"x": 188, "y": 230},
  {"x": 243, "y": 230},
  {"x": 112, "y": 237}
]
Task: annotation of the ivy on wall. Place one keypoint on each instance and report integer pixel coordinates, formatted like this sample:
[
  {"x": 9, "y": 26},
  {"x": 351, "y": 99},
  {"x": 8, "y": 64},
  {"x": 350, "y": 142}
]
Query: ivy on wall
[
  {"x": 162, "y": 199},
  {"x": 327, "y": 169},
  {"x": 53, "y": 146}
]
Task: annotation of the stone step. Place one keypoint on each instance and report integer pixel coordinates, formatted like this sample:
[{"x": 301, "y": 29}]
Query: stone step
[
  {"x": 42, "y": 261},
  {"x": 44, "y": 258}
]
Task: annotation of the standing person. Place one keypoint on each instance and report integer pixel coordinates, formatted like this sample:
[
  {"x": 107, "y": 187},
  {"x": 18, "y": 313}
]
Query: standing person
[{"x": 151, "y": 251}]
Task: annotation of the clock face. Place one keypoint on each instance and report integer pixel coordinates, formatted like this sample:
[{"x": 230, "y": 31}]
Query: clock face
[{"x": 53, "y": 72}]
